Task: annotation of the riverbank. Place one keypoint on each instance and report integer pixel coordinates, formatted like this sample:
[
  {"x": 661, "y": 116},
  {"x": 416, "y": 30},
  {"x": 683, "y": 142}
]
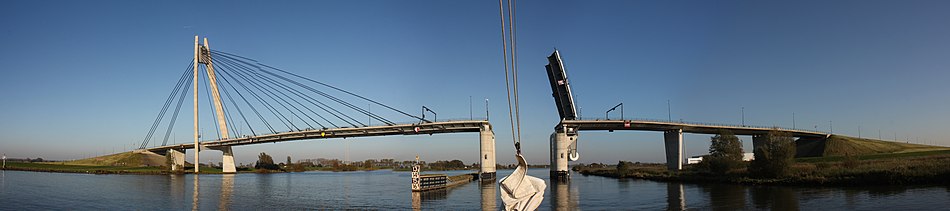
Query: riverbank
[
  {"x": 911, "y": 168},
  {"x": 63, "y": 167},
  {"x": 70, "y": 167}
]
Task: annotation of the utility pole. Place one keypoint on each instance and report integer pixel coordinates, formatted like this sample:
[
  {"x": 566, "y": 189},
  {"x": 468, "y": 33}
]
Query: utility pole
[
  {"x": 669, "y": 111},
  {"x": 471, "y": 116},
  {"x": 831, "y": 127},
  {"x": 793, "y": 120},
  {"x": 878, "y": 134},
  {"x": 859, "y": 131},
  {"x": 486, "y": 109},
  {"x": 742, "y": 110}
]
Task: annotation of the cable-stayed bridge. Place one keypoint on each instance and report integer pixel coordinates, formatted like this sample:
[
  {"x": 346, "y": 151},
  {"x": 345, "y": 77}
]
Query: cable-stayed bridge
[{"x": 254, "y": 103}]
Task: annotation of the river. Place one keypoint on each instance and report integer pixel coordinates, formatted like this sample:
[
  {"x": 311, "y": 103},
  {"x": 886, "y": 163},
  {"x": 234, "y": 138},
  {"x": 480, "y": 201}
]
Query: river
[{"x": 389, "y": 190}]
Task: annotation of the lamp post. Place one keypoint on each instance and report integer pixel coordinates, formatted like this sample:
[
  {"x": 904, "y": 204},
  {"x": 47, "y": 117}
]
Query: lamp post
[
  {"x": 486, "y": 109},
  {"x": 607, "y": 114},
  {"x": 669, "y": 111},
  {"x": 742, "y": 111},
  {"x": 424, "y": 109}
]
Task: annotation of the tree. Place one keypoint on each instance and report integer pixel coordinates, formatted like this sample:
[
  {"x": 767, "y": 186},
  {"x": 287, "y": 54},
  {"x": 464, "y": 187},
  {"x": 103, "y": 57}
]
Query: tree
[
  {"x": 775, "y": 157},
  {"x": 288, "y": 160},
  {"x": 264, "y": 161},
  {"x": 725, "y": 153}
]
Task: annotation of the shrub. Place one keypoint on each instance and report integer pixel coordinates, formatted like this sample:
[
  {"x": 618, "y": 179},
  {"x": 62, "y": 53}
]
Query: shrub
[{"x": 623, "y": 168}]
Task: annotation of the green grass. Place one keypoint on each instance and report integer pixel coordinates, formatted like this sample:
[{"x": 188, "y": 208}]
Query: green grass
[
  {"x": 943, "y": 151},
  {"x": 902, "y": 168},
  {"x": 837, "y": 145},
  {"x": 65, "y": 167}
]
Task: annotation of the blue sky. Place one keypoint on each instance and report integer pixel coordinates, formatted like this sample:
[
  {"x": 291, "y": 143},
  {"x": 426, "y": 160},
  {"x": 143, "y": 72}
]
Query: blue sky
[{"x": 87, "y": 78}]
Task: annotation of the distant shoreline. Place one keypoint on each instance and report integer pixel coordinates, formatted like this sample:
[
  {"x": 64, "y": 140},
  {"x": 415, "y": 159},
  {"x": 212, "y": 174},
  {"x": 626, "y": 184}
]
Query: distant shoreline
[{"x": 915, "y": 168}]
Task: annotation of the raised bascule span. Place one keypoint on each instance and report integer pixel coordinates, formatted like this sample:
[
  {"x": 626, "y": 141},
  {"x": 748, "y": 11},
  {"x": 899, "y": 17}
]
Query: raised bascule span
[
  {"x": 307, "y": 112},
  {"x": 565, "y": 137}
]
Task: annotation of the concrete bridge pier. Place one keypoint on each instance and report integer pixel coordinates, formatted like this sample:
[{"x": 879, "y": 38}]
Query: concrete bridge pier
[
  {"x": 674, "y": 149},
  {"x": 758, "y": 141},
  {"x": 178, "y": 159},
  {"x": 560, "y": 146},
  {"x": 487, "y": 152},
  {"x": 227, "y": 162}
]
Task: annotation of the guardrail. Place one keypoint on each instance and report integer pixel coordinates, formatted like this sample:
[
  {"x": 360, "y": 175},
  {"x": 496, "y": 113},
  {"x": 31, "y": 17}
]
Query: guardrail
[{"x": 709, "y": 124}]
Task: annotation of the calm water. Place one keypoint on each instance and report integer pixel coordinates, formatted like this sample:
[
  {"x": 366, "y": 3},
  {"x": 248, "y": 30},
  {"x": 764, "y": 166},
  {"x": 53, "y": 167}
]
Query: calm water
[{"x": 387, "y": 190}]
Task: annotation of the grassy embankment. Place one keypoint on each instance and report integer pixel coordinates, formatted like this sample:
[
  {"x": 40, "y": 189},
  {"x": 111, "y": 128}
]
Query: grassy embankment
[
  {"x": 121, "y": 163},
  {"x": 845, "y": 161}
]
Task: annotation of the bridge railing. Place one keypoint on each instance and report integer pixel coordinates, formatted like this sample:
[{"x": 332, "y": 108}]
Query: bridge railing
[
  {"x": 709, "y": 124},
  {"x": 374, "y": 124}
]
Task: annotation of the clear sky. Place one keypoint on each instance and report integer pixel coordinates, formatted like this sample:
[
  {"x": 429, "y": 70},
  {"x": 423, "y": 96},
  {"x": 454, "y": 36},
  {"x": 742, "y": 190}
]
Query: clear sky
[{"x": 84, "y": 78}]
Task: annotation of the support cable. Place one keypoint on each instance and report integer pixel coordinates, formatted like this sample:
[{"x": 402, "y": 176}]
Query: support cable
[
  {"x": 324, "y": 84},
  {"x": 250, "y": 106},
  {"x": 372, "y": 115},
  {"x": 236, "y": 107},
  {"x": 328, "y": 96},
  {"x": 285, "y": 101},
  {"x": 327, "y": 106},
  {"x": 161, "y": 114},
  {"x": 181, "y": 99},
  {"x": 297, "y": 93},
  {"x": 211, "y": 103},
  {"x": 263, "y": 102}
]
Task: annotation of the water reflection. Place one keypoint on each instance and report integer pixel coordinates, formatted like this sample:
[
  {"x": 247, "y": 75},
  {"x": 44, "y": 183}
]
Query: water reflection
[
  {"x": 675, "y": 196},
  {"x": 774, "y": 198},
  {"x": 489, "y": 190},
  {"x": 725, "y": 196},
  {"x": 227, "y": 185},
  {"x": 194, "y": 195},
  {"x": 561, "y": 196},
  {"x": 419, "y": 197}
]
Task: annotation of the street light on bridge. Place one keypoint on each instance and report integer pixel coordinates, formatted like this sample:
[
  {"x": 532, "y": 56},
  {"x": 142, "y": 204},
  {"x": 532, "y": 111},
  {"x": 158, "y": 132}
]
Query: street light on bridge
[
  {"x": 607, "y": 114},
  {"x": 424, "y": 109}
]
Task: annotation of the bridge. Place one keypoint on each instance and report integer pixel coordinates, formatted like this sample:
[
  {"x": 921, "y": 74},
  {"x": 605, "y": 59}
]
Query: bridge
[
  {"x": 277, "y": 97},
  {"x": 565, "y": 137}
]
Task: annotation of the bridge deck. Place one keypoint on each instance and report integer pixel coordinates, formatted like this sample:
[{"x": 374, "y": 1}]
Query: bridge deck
[
  {"x": 688, "y": 127},
  {"x": 400, "y": 129}
]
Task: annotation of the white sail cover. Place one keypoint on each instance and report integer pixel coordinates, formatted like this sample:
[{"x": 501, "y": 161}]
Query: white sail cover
[{"x": 520, "y": 191}]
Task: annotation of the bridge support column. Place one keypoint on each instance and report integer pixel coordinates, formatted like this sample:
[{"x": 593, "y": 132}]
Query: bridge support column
[
  {"x": 487, "y": 152},
  {"x": 560, "y": 144},
  {"x": 758, "y": 141},
  {"x": 178, "y": 159},
  {"x": 674, "y": 149},
  {"x": 227, "y": 162}
]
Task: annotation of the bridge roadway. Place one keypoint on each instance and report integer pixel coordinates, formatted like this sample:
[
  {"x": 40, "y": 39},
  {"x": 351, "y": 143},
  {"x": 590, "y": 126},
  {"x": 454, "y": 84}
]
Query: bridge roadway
[
  {"x": 687, "y": 127},
  {"x": 487, "y": 140},
  {"x": 566, "y": 135}
]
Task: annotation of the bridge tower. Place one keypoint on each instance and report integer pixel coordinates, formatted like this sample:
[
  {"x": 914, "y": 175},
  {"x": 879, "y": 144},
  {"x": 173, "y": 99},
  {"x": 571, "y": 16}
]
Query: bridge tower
[
  {"x": 203, "y": 56},
  {"x": 487, "y": 150},
  {"x": 564, "y": 138}
]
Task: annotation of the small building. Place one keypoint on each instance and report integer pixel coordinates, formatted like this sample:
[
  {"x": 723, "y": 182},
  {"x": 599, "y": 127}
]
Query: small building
[{"x": 699, "y": 158}]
